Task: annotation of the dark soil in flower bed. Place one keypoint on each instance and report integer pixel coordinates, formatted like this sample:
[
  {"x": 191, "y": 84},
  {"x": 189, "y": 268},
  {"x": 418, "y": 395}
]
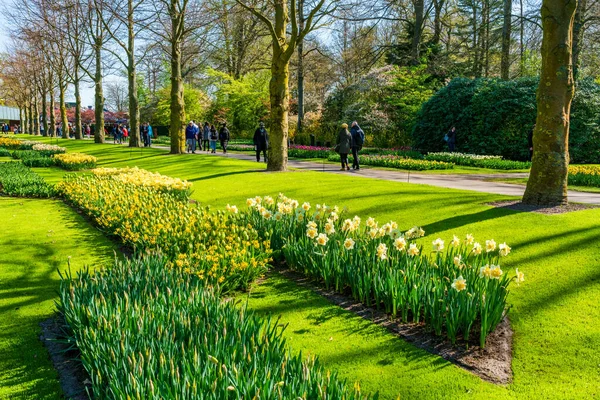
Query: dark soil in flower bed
[
  {"x": 492, "y": 364},
  {"x": 516, "y": 205}
]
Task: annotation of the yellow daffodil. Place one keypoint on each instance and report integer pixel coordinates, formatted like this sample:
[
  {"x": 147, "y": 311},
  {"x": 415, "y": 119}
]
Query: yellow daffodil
[
  {"x": 322, "y": 239},
  {"x": 400, "y": 244},
  {"x": 459, "y": 284},
  {"x": 495, "y": 272},
  {"x": 504, "y": 249},
  {"x": 469, "y": 240},
  {"x": 382, "y": 251},
  {"x": 490, "y": 245},
  {"x": 413, "y": 250},
  {"x": 348, "y": 244},
  {"x": 438, "y": 244}
]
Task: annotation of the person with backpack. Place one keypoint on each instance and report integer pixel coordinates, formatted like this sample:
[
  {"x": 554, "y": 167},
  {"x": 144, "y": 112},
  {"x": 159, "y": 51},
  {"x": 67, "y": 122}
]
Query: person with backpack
[
  {"x": 191, "y": 134},
  {"x": 224, "y": 137},
  {"x": 358, "y": 139},
  {"x": 261, "y": 141},
  {"x": 213, "y": 139},
  {"x": 344, "y": 145},
  {"x": 451, "y": 139},
  {"x": 205, "y": 136}
]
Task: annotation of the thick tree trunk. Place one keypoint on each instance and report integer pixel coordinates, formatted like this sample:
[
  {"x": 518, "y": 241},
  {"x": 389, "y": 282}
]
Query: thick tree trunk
[
  {"x": 177, "y": 128},
  {"x": 45, "y": 114},
  {"x": 36, "y": 118},
  {"x": 506, "y": 32},
  {"x": 52, "y": 127},
  {"x": 419, "y": 6},
  {"x": 279, "y": 95},
  {"x": 547, "y": 184},
  {"x": 578, "y": 32},
  {"x": 25, "y": 125},
  {"x": 300, "y": 69},
  {"x": 98, "y": 95},
  {"x": 63, "y": 110},
  {"x": 134, "y": 106},
  {"x": 78, "y": 128}
]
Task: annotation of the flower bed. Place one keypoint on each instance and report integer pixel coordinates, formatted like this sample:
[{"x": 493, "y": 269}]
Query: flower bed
[
  {"x": 215, "y": 247},
  {"x": 75, "y": 161},
  {"x": 456, "y": 289},
  {"x": 18, "y": 180},
  {"x": 32, "y": 158},
  {"x": 240, "y": 147},
  {"x": 581, "y": 175},
  {"x": 479, "y": 161},
  {"x": 10, "y": 144},
  {"x": 391, "y": 161},
  {"x": 140, "y": 177},
  {"x": 146, "y": 331},
  {"x": 299, "y": 151},
  {"x": 48, "y": 150}
]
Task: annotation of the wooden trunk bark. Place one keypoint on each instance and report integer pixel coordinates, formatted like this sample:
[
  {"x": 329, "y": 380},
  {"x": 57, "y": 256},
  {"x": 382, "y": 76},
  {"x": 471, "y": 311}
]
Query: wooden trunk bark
[
  {"x": 45, "y": 114},
  {"x": 300, "y": 69},
  {"x": 506, "y": 32},
  {"x": 63, "y": 111},
  {"x": 98, "y": 95},
  {"x": 177, "y": 127},
  {"x": 36, "y": 118},
  {"x": 21, "y": 117},
  {"x": 78, "y": 126},
  {"x": 419, "y": 6},
  {"x": 52, "y": 127},
  {"x": 279, "y": 96},
  {"x": 547, "y": 184},
  {"x": 25, "y": 124},
  {"x": 437, "y": 21},
  {"x": 134, "y": 105}
]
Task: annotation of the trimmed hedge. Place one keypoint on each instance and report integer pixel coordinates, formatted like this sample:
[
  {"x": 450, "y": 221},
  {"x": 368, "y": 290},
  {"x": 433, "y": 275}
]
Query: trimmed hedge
[{"x": 492, "y": 116}]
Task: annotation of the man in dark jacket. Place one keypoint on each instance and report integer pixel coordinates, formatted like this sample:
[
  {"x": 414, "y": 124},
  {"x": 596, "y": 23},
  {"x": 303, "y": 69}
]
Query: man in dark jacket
[
  {"x": 205, "y": 136},
  {"x": 224, "y": 137},
  {"x": 358, "y": 139},
  {"x": 452, "y": 139},
  {"x": 191, "y": 132},
  {"x": 261, "y": 141}
]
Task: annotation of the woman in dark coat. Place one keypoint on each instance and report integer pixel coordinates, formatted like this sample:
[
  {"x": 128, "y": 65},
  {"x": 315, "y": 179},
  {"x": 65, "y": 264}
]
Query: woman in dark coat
[
  {"x": 261, "y": 141},
  {"x": 344, "y": 144}
]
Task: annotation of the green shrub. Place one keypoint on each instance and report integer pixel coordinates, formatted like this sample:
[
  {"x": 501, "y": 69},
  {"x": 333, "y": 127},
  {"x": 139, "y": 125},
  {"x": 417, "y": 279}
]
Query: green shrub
[
  {"x": 391, "y": 161},
  {"x": 474, "y": 160},
  {"x": 493, "y": 116},
  {"x": 18, "y": 180},
  {"x": 38, "y": 162},
  {"x": 33, "y": 158},
  {"x": 4, "y": 152},
  {"x": 152, "y": 332}
]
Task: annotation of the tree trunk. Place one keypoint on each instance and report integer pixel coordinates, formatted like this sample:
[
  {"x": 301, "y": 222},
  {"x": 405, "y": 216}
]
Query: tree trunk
[
  {"x": 78, "y": 127},
  {"x": 578, "y": 32},
  {"x": 300, "y": 69},
  {"x": 416, "y": 39},
  {"x": 475, "y": 50},
  {"x": 522, "y": 43},
  {"x": 547, "y": 184},
  {"x": 36, "y": 118},
  {"x": 21, "y": 117},
  {"x": 63, "y": 109},
  {"x": 52, "y": 127},
  {"x": 177, "y": 128},
  {"x": 437, "y": 21},
  {"x": 45, "y": 114},
  {"x": 25, "y": 125},
  {"x": 31, "y": 123},
  {"x": 134, "y": 106},
  {"x": 506, "y": 32},
  {"x": 98, "y": 95},
  {"x": 279, "y": 95},
  {"x": 486, "y": 43}
]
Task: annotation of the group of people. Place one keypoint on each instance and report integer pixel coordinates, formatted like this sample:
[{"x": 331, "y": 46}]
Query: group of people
[
  {"x": 206, "y": 137},
  {"x": 120, "y": 133},
  {"x": 350, "y": 141},
  {"x": 5, "y": 128}
]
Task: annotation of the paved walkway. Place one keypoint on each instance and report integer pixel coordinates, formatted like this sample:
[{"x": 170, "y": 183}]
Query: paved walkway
[{"x": 475, "y": 182}]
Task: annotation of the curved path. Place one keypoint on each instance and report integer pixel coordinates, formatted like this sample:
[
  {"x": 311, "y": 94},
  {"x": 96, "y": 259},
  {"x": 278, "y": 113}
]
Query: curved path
[{"x": 475, "y": 182}]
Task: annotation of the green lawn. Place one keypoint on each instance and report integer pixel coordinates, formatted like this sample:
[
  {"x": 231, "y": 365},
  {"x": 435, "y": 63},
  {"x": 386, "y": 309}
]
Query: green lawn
[
  {"x": 555, "y": 312},
  {"x": 37, "y": 238}
]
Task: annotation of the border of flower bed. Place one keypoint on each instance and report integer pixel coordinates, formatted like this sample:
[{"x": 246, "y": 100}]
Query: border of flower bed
[{"x": 492, "y": 364}]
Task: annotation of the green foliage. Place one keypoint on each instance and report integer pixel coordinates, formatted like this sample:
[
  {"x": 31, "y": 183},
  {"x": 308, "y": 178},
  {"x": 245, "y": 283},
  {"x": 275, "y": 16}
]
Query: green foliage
[
  {"x": 399, "y": 162},
  {"x": 4, "y": 152},
  {"x": 148, "y": 331},
  {"x": 584, "y": 175},
  {"x": 473, "y": 160},
  {"x": 385, "y": 103},
  {"x": 492, "y": 116},
  {"x": 242, "y": 103},
  {"x": 196, "y": 103},
  {"x": 18, "y": 180}
]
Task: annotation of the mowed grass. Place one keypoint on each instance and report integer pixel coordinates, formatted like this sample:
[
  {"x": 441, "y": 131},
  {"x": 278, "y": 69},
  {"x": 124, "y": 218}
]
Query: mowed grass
[
  {"x": 555, "y": 311},
  {"x": 37, "y": 238},
  {"x": 523, "y": 181}
]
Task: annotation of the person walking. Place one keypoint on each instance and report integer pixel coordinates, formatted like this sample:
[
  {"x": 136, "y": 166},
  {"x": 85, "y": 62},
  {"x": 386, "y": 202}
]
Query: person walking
[
  {"x": 451, "y": 139},
  {"x": 213, "y": 139},
  {"x": 205, "y": 136},
  {"x": 150, "y": 134},
  {"x": 358, "y": 139},
  {"x": 190, "y": 137},
  {"x": 145, "y": 134},
  {"x": 125, "y": 133},
  {"x": 261, "y": 141},
  {"x": 344, "y": 144},
  {"x": 224, "y": 137}
]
